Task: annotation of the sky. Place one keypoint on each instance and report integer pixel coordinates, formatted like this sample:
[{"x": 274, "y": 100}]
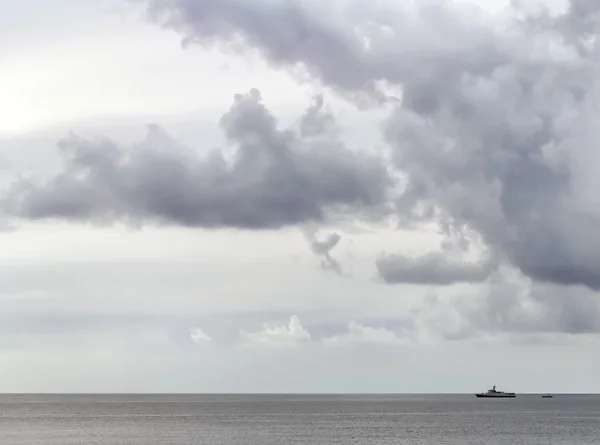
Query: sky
[{"x": 299, "y": 196}]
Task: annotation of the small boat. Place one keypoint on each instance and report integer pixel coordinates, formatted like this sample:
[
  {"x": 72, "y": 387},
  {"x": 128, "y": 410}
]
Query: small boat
[
  {"x": 547, "y": 396},
  {"x": 492, "y": 393}
]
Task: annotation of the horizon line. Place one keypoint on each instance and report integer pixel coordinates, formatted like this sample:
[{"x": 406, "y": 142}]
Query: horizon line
[{"x": 274, "y": 393}]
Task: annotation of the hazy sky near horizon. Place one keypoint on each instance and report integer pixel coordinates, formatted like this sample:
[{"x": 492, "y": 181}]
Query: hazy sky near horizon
[{"x": 299, "y": 196}]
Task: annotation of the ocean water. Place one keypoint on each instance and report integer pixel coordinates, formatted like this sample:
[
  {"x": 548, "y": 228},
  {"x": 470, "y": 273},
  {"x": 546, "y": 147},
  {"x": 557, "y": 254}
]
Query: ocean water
[{"x": 298, "y": 420}]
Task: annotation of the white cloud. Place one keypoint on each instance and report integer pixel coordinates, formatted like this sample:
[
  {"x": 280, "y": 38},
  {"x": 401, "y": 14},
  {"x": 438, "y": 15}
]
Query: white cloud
[
  {"x": 199, "y": 336},
  {"x": 366, "y": 335},
  {"x": 280, "y": 336}
]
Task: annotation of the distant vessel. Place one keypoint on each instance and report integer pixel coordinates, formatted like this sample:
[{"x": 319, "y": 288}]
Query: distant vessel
[
  {"x": 547, "y": 396},
  {"x": 492, "y": 393}
]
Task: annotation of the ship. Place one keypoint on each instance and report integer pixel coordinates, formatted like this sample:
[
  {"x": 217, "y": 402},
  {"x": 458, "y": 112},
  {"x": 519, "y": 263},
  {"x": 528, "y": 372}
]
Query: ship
[{"x": 492, "y": 393}]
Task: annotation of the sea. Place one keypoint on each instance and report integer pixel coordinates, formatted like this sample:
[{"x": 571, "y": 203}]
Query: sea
[{"x": 298, "y": 419}]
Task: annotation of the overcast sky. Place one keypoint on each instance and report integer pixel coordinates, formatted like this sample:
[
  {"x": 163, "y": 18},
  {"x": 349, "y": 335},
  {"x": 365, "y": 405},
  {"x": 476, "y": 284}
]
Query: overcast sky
[{"x": 299, "y": 196}]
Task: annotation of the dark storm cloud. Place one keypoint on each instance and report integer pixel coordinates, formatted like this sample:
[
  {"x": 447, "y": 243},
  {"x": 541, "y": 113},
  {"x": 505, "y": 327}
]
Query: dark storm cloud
[
  {"x": 495, "y": 132},
  {"x": 276, "y": 177}
]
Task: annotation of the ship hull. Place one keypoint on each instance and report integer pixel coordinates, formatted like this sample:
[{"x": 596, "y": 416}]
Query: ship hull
[{"x": 496, "y": 396}]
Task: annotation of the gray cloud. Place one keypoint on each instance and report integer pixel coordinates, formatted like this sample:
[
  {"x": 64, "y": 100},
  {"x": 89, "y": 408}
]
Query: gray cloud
[
  {"x": 323, "y": 247},
  {"x": 286, "y": 33},
  {"x": 275, "y": 177},
  {"x": 495, "y": 131},
  {"x": 508, "y": 304},
  {"x": 432, "y": 268}
]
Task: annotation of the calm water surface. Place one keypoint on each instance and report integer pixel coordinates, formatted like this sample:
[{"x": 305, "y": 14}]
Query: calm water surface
[{"x": 301, "y": 420}]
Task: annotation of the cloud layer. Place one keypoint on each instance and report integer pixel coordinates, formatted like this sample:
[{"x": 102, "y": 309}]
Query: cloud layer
[
  {"x": 492, "y": 132},
  {"x": 495, "y": 131}
]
